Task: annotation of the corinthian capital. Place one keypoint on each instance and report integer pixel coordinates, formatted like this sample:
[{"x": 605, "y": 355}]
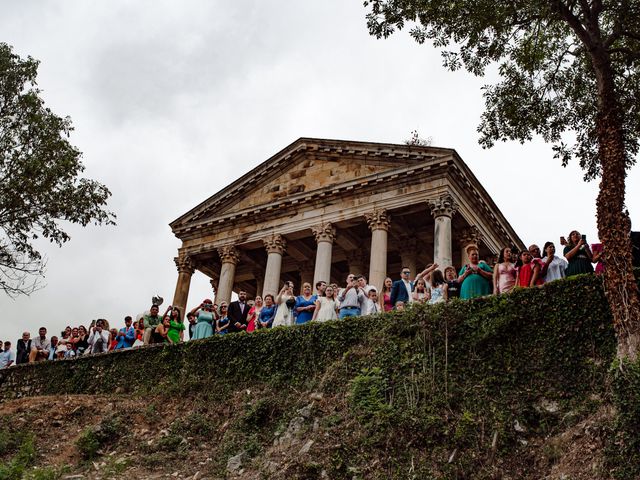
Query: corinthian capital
[
  {"x": 325, "y": 232},
  {"x": 275, "y": 244},
  {"x": 378, "y": 220},
  {"x": 229, "y": 254},
  {"x": 445, "y": 206},
  {"x": 470, "y": 235},
  {"x": 184, "y": 264}
]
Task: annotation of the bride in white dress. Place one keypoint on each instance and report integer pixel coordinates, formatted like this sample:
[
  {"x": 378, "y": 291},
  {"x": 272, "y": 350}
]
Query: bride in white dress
[
  {"x": 326, "y": 306},
  {"x": 284, "y": 313}
]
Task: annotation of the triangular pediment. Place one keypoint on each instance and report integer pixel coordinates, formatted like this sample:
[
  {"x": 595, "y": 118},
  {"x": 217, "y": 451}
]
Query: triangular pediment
[{"x": 304, "y": 166}]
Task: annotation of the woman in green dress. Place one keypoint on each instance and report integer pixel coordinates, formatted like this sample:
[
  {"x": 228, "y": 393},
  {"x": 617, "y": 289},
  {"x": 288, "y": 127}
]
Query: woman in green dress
[
  {"x": 475, "y": 277},
  {"x": 578, "y": 254},
  {"x": 176, "y": 326}
]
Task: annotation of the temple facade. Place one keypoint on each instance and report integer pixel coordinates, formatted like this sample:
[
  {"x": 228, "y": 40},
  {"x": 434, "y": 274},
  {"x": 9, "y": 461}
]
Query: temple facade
[{"x": 319, "y": 209}]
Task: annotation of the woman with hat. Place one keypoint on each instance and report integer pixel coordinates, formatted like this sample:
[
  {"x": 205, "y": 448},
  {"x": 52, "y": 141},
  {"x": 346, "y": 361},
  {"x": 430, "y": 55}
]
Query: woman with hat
[{"x": 204, "y": 314}]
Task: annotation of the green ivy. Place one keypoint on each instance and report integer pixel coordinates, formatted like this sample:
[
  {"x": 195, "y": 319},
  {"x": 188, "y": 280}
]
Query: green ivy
[{"x": 479, "y": 378}]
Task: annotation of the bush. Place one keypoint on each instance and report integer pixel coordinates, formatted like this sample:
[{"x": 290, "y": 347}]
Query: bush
[
  {"x": 24, "y": 456},
  {"x": 92, "y": 439}
]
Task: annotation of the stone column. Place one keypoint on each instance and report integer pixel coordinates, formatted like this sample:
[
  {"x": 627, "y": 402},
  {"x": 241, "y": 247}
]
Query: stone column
[
  {"x": 442, "y": 209},
  {"x": 275, "y": 246},
  {"x": 409, "y": 254},
  {"x": 469, "y": 236},
  {"x": 378, "y": 221},
  {"x": 229, "y": 256},
  {"x": 186, "y": 269},
  {"x": 325, "y": 234}
]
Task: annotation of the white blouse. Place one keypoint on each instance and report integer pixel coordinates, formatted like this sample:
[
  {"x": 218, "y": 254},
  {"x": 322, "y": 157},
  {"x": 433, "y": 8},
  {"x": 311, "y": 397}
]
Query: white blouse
[{"x": 556, "y": 268}]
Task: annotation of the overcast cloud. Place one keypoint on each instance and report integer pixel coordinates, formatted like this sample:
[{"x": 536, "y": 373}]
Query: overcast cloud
[{"x": 174, "y": 100}]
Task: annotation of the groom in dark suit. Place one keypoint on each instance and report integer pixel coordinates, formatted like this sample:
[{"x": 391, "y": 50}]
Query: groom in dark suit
[
  {"x": 237, "y": 313},
  {"x": 401, "y": 289}
]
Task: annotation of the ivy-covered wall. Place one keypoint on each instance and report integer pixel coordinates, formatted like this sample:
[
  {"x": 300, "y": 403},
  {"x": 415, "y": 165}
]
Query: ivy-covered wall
[
  {"x": 478, "y": 378},
  {"x": 534, "y": 341}
]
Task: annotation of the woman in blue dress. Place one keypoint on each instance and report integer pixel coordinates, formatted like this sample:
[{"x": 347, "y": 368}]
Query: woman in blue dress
[
  {"x": 267, "y": 313},
  {"x": 222, "y": 323},
  {"x": 305, "y": 305},
  {"x": 205, "y": 319}
]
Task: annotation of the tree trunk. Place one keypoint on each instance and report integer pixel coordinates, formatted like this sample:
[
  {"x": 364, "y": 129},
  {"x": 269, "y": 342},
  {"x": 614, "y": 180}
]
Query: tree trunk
[{"x": 614, "y": 225}]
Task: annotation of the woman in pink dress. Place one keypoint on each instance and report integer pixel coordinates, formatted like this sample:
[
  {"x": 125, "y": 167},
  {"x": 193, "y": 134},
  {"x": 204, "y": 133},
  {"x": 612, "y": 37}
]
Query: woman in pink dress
[
  {"x": 254, "y": 314},
  {"x": 504, "y": 273},
  {"x": 385, "y": 295}
]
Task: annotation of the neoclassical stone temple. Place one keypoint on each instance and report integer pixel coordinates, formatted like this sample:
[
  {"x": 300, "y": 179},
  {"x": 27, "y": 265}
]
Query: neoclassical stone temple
[{"x": 319, "y": 209}]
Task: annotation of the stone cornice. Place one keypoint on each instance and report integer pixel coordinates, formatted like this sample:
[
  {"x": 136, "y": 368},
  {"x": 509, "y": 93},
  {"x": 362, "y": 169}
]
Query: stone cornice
[
  {"x": 448, "y": 176},
  {"x": 388, "y": 178},
  {"x": 368, "y": 151}
]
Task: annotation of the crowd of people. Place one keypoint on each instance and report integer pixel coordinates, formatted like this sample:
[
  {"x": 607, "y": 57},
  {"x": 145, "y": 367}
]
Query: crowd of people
[{"x": 528, "y": 268}]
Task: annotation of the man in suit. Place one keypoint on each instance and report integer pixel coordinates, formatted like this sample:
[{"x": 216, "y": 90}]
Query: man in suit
[
  {"x": 23, "y": 348},
  {"x": 237, "y": 313},
  {"x": 401, "y": 289}
]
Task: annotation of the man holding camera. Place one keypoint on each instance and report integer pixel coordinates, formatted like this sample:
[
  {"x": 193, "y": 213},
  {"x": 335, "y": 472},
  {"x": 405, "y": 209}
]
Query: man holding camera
[
  {"x": 351, "y": 298},
  {"x": 99, "y": 338}
]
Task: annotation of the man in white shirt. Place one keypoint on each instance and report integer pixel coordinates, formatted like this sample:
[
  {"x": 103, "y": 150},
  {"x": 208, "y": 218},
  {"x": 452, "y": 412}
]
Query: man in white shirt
[
  {"x": 351, "y": 299},
  {"x": 40, "y": 347},
  {"x": 99, "y": 339},
  {"x": 7, "y": 357}
]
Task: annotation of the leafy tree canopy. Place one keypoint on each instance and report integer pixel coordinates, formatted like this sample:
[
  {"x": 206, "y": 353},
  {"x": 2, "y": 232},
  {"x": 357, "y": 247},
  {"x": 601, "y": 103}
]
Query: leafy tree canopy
[
  {"x": 542, "y": 48},
  {"x": 569, "y": 72},
  {"x": 40, "y": 184}
]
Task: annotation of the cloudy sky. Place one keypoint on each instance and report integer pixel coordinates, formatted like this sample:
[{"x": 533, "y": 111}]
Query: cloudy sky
[{"x": 172, "y": 101}]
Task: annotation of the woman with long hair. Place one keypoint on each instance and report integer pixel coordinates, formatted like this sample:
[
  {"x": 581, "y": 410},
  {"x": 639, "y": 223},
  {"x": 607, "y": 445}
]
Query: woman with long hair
[
  {"x": 161, "y": 332},
  {"x": 438, "y": 287},
  {"x": 504, "y": 273},
  {"x": 555, "y": 266},
  {"x": 578, "y": 254},
  {"x": 113, "y": 339},
  {"x": 254, "y": 314},
  {"x": 140, "y": 329},
  {"x": 327, "y": 306},
  {"x": 385, "y": 295},
  {"x": 222, "y": 322},
  {"x": 82, "y": 343},
  {"x": 285, "y": 302},
  {"x": 176, "y": 324},
  {"x": 420, "y": 293}
]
